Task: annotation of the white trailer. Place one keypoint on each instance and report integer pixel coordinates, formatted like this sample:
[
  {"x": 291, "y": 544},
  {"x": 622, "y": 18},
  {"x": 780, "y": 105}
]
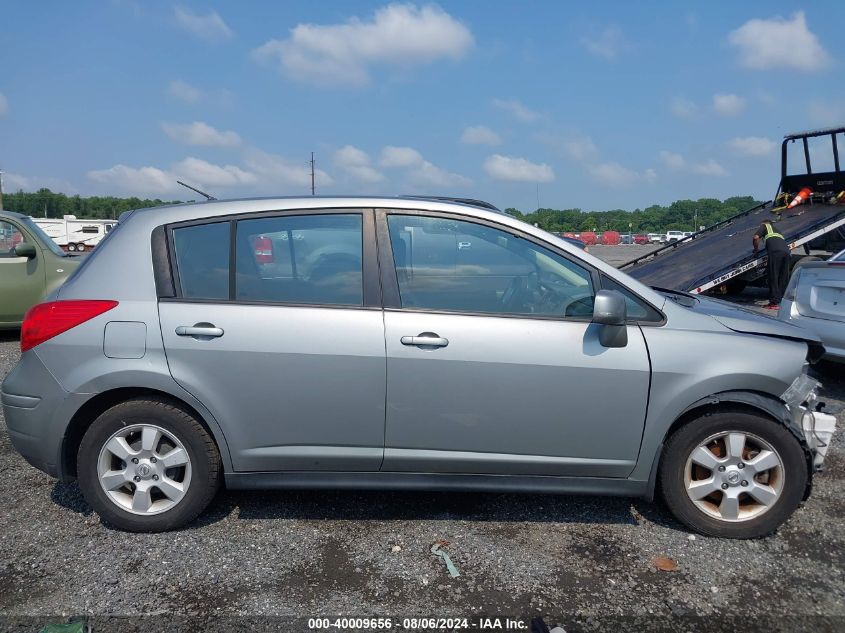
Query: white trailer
[{"x": 74, "y": 234}]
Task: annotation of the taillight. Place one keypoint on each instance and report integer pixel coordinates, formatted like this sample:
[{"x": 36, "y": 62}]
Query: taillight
[
  {"x": 263, "y": 250},
  {"x": 46, "y": 320}
]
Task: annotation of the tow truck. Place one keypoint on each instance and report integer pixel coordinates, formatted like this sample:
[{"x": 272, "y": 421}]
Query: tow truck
[{"x": 720, "y": 258}]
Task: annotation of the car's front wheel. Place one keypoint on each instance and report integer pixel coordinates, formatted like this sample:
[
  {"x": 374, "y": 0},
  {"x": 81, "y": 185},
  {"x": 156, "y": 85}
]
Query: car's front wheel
[
  {"x": 146, "y": 465},
  {"x": 733, "y": 474}
]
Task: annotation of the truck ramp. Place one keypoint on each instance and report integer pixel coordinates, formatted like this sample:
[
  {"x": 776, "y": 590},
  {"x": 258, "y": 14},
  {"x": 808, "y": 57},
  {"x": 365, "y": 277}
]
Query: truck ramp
[{"x": 724, "y": 251}]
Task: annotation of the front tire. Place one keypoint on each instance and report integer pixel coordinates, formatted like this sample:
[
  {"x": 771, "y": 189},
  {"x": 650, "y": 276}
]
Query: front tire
[
  {"x": 146, "y": 465},
  {"x": 733, "y": 474}
]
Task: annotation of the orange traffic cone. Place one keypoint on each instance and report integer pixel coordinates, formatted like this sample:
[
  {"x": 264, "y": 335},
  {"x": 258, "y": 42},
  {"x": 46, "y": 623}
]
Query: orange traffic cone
[{"x": 801, "y": 198}]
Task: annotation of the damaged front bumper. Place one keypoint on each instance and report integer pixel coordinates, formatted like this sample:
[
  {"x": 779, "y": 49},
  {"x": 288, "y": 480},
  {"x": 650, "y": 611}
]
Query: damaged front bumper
[{"x": 805, "y": 410}]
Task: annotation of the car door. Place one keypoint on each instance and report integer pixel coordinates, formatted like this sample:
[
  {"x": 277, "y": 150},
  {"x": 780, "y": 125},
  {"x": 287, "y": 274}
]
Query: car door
[
  {"x": 493, "y": 365},
  {"x": 276, "y": 327},
  {"x": 22, "y": 280}
]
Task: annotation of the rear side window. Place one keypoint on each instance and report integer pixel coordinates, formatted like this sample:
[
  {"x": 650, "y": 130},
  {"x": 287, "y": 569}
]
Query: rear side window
[
  {"x": 202, "y": 260},
  {"x": 638, "y": 310},
  {"x": 305, "y": 259}
]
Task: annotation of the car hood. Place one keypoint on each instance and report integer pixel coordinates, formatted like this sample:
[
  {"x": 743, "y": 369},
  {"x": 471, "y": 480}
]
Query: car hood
[{"x": 743, "y": 320}]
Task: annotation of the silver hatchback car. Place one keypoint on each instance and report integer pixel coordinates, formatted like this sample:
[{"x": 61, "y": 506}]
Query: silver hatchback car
[{"x": 407, "y": 344}]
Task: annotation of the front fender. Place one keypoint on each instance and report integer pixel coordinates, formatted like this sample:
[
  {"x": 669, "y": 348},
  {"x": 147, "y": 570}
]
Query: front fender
[{"x": 767, "y": 404}]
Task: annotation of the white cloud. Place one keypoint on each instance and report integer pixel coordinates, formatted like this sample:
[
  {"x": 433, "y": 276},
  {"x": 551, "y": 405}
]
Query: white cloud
[
  {"x": 516, "y": 109},
  {"x": 392, "y": 156},
  {"x": 728, "y": 104},
  {"x": 827, "y": 113},
  {"x": 4, "y": 105},
  {"x": 196, "y": 170},
  {"x": 752, "y": 145},
  {"x": 608, "y": 44},
  {"x": 677, "y": 162},
  {"x": 581, "y": 149},
  {"x": 145, "y": 181},
  {"x": 709, "y": 168},
  {"x": 480, "y": 135},
  {"x": 400, "y": 35},
  {"x": 420, "y": 171},
  {"x": 199, "y": 133},
  {"x": 614, "y": 175},
  {"x": 183, "y": 91},
  {"x": 274, "y": 171},
  {"x": 13, "y": 182},
  {"x": 779, "y": 43},
  {"x": 672, "y": 160},
  {"x": 208, "y": 27},
  {"x": 357, "y": 164},
  {"x": 515, "y": 169},
  {"x": 683, "y": 108}
]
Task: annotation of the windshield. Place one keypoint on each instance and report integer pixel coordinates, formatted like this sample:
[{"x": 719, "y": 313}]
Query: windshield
[{"x": 45, "y": 239}]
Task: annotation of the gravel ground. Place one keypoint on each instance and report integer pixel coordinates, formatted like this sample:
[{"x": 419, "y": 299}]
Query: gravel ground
[{"x": 254, "y": 559}]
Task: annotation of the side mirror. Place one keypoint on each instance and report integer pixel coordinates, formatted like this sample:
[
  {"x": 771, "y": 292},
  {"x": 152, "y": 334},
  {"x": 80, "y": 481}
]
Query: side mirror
[
  {"x": 610, "y": 312},
  {"x": 25, "y": 249}
]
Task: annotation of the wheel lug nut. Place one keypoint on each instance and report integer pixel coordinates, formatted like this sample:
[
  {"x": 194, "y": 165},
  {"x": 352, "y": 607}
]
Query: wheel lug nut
[
  {"x": 744, "y": 483},
  {"x": 721, "y": 469},
  {"x": 740, "y": 465},
  {"x": 155, "y": 477},
  {"x": 134, "y": 460},
  {"x": 724, "y": 486},
  {"x": 154, "y": 460},
  {"x": 137, "y": 478}
]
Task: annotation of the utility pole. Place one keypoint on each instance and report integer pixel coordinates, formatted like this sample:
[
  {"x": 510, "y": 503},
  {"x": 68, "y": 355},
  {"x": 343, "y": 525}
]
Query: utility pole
[
  {"x": 1, "y": 189},
  {"x": 312, "y": 174}
]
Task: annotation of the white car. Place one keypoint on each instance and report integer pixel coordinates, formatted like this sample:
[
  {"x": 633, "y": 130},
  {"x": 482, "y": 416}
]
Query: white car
[
  {"x": 656, "y": 238},
  {"x": 674, "y": 236},
  {"x": 815, "y": 300}
]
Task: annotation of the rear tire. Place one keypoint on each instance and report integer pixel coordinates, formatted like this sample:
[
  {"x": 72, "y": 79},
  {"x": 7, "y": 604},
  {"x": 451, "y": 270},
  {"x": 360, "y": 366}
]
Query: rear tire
[
  {"x": 733, "y": 495},
  {"x": 71, "y": 248},
  {"x": 146, "y": 465},
  {"x": 80, "y": 248}
]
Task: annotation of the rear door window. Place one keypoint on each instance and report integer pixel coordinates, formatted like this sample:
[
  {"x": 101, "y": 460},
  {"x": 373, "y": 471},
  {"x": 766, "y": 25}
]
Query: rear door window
[{"x": 300, "y": 259}]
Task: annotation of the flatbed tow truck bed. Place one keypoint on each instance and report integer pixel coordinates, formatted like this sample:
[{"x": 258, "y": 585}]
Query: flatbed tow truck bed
[
  {"x": 711, "y": 257},
  {"x": 723, "y": 252}
]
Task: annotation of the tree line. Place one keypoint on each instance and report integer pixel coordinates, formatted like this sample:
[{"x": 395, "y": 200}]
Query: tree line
[
  {"x": 681, "y": 215},
  {"x": 46, "y": 203}
]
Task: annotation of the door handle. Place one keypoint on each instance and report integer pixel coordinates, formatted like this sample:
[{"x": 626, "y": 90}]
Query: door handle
[
  {"x": 200, "y": 330},
  {"x": 426, "y": 339}
]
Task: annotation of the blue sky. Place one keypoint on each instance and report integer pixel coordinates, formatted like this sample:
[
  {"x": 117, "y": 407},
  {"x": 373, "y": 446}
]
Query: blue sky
[{"x": 591, "y": 105}]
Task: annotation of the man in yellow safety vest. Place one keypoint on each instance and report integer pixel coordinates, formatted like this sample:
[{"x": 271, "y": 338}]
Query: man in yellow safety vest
[{"x": 778, "y": 265}]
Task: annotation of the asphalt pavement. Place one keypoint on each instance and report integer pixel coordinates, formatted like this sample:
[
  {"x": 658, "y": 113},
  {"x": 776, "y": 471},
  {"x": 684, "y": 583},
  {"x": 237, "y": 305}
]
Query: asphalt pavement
[{"x": 254, "y": 560}]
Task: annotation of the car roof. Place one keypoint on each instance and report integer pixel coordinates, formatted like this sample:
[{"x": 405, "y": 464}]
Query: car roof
[{"x": 12, "y": 214}]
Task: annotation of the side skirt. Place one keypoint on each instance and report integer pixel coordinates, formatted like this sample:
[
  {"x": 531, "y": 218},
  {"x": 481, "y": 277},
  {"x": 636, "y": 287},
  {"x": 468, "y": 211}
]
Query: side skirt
[{"x": 437, "y": 482}]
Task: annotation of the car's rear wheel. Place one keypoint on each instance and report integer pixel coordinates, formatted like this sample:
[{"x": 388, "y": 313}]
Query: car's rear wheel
[
  {"x": 80, "y": 248},
  {"x": 733, "y": 474},
  {"x": 71, "y": 248},
  {"x": 146, "y": 465}
]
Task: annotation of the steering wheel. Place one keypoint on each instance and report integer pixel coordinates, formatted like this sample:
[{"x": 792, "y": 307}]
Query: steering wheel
[{"x": 516, "y": 286}]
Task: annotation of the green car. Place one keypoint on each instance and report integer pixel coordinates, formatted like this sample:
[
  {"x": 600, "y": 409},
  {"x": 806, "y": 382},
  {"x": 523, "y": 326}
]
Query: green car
[{"x": 31, "y": 267}]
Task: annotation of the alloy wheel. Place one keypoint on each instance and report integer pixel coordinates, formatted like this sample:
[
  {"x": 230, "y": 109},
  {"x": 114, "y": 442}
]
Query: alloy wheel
[
  {"x": 144, "y": 469},
  {"x": 734, "y": 476}
]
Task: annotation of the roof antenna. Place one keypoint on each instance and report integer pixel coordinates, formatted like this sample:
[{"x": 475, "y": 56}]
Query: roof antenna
[{"x": 202, "y": 193}]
